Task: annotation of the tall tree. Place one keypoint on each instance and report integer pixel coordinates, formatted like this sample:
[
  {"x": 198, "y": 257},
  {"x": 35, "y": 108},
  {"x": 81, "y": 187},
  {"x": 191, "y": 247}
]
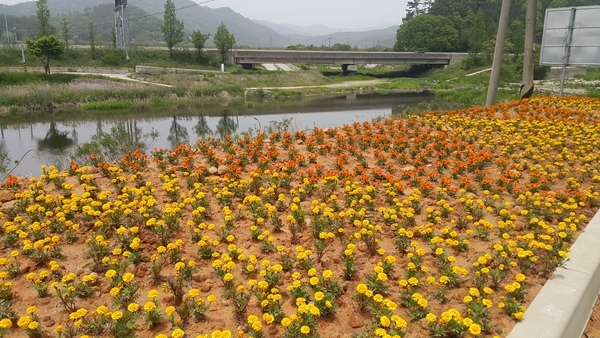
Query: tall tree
[
  {"x": 66, "y": 33},
  {"x": 413, "y": 8},
  {"x": 427, "y": 33},
  {"x": 223, "y": 40},
  {"x": 475, "y": 32},
  {"x": 43, "y": 17},
  {"x": 172, "y": 28},
  {"x": 198, "y": 40},
  {"x": 46, "y": 48}
]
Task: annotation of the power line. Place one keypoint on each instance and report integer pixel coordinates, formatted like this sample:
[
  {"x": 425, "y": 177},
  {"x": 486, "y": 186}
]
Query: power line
[{"x": 157, "y": 13}]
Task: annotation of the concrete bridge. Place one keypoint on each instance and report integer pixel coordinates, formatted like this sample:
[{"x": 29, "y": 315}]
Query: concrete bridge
[{"x": 348, "y": 60}]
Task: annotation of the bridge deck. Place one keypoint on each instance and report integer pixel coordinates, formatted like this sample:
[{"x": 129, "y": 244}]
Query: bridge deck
[{"x": 339, "y": 57}]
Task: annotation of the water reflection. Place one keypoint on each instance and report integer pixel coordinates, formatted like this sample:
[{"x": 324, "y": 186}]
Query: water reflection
[
  {"x": 178, "y": 134},
  {"x": 201, "y": 128},
  {"x": 53, "y": 141},
  {"x": 227, "y": 126}
]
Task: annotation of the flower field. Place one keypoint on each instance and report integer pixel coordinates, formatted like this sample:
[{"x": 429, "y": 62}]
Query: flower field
[{"x": 443, "y": 224}]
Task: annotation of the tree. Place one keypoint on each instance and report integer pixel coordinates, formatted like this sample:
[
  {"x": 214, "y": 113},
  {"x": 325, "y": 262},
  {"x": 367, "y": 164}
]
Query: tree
[
  {"x": 92, "y": 41},
  {"x": 474, "y": 29},
  {"x": 427, "y": 33},
  {"x": 66, "y": 33},
  {"x": 412, "y": 10},
  {"x": 46, "y": 48},
  {"x": 43, "y": 17},
  {"x": 198, "y": 40},
  {"x": 223, "y": 40},
  {"x": 171, "y": 27}
]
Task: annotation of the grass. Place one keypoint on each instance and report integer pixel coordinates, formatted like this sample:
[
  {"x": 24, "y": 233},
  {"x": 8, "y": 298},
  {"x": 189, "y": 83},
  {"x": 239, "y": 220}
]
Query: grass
[
  {"x": 107, "y": 105},
  {"x": 19, "y": 79}
]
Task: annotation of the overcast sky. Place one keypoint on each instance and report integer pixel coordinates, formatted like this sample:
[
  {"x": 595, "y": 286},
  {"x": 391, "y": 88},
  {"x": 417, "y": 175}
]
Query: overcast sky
[{"x": 333, "y": 13}]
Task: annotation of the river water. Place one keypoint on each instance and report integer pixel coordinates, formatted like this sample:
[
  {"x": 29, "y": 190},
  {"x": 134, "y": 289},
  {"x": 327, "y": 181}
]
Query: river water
[{"x": 52, "y": 140}]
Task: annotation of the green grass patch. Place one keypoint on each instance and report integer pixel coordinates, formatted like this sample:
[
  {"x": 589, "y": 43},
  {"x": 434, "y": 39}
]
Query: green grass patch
[
  {"x": 107, "y": 105},
  {"x": 22, "y": 78}
]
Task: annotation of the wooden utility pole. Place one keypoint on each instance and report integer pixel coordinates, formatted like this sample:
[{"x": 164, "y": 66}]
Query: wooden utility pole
[
  {"x": 498, "y": 54},
  {"x": 528, "y": 52}
]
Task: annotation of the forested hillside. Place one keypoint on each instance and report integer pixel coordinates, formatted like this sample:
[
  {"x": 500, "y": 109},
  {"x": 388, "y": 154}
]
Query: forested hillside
[{"x": 469, "y": 25}]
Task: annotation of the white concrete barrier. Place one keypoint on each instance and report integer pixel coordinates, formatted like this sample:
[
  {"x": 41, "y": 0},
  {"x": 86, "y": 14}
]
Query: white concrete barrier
[{"x": 563, "y": 306}]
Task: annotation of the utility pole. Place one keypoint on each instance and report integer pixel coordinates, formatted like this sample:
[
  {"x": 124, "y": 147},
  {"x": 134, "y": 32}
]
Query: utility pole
[
  {"x": 528, "y": 52},
  {"x": 23, "y": 54},
  {"x": 498, "y": 54},
  {"x": 6, "y": 23}
]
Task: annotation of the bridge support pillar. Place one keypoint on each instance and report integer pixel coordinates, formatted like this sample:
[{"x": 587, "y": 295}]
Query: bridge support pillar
[
  {"x": 349, "y": 69},
  {"x": 247, "y": 66}
]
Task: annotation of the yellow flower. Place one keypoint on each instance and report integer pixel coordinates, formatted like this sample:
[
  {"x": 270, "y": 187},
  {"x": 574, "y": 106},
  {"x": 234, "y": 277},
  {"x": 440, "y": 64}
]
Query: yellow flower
[
  {"x": 31, "y": 309},
  {"x": 133, "y": 307},
  {"x": 305, "y": 329},
  {"x": 385, "y": 321},
  {"x": 177, "y": 333},
  {"x": 128, "y": 277},
  {"x": 319, "y": 296},
  {"x": 268, "y": 318},
  {"x": 286, "y": 321},
  {"x": 474, "y": 329},
  {"x": 431, "y": 317},
  {"x": 116, "y": 315},
  {"x": 24, "y": 321},
  {"x": 149, "y": 306},
  {"x": 152, "y": 294},
  {"x": 33, "y": 326},
  {"x": 6, "y": 323},
  {"x": 170, "y": 310}
]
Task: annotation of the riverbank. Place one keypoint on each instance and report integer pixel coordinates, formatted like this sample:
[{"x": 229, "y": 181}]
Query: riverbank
[{"x": 105, "y": 89}]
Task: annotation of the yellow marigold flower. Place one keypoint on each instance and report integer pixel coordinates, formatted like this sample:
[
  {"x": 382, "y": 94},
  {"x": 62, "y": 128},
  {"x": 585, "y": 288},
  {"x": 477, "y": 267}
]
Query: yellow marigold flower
[
  {"x": 177, "y": 333},
  {"x": 5, "y": 323},
  {"x": 361, "y": 288},
  {"x": 431, "y": 317},
  {"x": 286, "y": 321},
  {"x": 110, "y": 274},
  {"x": 133, "y": 307},
  {"x": 319, "y": 296},
  {"x": 152, "y": 294},
  {"x": 31, "y": 309},
  {"x": 257, "y": 325},
  {"x": 193, "y": 293},
  {"x": 211, "y": 298},
  {"x": 305, "y": 329},
  {"x": 474, "y": 329},
  {"x": 149, "y": 306},
  {"x": 268, "y": 318},
  {"x": 33, "y": 325},
  {"x": 128, "y": 277},
  {"x": 59, "y": 328},
  {"x": 170, "y": 310},
  {"x": 114, "y": 291},
  {"x": 385, "y": 321},
  {"x": 116, "y": 315},
  {"x": 24, "y": 321},
  {"x": 518, "y": 315}
]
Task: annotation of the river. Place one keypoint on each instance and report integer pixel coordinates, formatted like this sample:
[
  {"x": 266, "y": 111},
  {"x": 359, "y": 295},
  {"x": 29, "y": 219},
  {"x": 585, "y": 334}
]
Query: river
[{"x": 52, "y": 140}]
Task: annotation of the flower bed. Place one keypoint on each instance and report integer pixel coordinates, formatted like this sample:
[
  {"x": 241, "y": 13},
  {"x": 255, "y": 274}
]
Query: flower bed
[{"x": 444, "y": 224}]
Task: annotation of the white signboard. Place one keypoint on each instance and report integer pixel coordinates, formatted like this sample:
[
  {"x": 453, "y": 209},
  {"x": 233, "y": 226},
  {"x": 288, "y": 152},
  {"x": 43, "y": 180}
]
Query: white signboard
[{"x": 571, "y": 37}]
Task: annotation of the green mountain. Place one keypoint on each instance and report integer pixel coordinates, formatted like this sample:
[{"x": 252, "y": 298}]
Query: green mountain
[{"x": 145, "y": 16}]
